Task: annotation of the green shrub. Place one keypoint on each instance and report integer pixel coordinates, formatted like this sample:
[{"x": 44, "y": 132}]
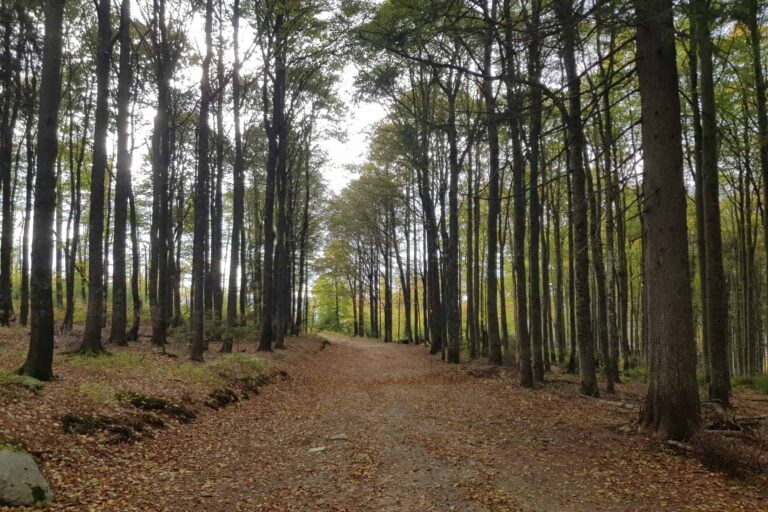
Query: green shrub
[
  {"x": 758, "y": 383},
  {"x": 636, "y": 373}
]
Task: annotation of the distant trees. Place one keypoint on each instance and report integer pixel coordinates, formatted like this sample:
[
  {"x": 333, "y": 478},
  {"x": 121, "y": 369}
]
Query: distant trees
[
  {"x": 555, "y": 168},
  {"x": 509, "y": 207}
]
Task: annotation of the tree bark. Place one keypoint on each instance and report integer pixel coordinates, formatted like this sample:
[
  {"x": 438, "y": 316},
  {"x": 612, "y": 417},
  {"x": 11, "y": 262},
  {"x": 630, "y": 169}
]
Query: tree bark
[
  {"x": 122, "y": 180},
  {"x": 717, "y": 299},
  {"x": 494, "y": 202},
  {"x": 201, "y": 198},
  {"x": 91, "y": 343},
  {"x": 237, "y": 172},
  {"x": 585, "y": 341},
  {"x": 39, "y": 359},
  {"x": 672, "y": 401}
]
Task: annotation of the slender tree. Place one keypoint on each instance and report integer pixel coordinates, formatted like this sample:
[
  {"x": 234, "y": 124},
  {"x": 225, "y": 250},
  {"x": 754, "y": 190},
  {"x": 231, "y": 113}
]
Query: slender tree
[
  {"x": 122, "y": 180},
  {"x": 39, "y": 359},
  {"x": 92, "y": 335}
]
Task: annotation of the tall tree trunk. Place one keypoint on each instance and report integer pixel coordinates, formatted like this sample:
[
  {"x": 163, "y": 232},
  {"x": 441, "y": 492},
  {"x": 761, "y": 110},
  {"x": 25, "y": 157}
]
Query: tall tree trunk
[
  {"x": 598, "y": 264},
  {"x": 217, "y": 207},
  {"x": 432, "y": 308},
  {"x": 159, "y": 250},
  {"x": 569, "y": 22},
  {"x": 201, "y": 197},
  {"x": 693, "y": 76},
  {"x": 93, "y": 322},
  {"x": 60, "y": 235},
  {"x": 237, "y": 172},
  {"x": 470, "y": 262},
  {"x": 717, "y": 299},
  {"x": 534, "y": 74},
  {"x": 30, "y": 183},
  {"x": 281, "y": 267},
  {"x": 268, "y": 301},
  {"x": 559, "y": 293},
  {"x": 8, "y": 106},
  {"x": 122, "y": 180},
  {"x": 39, "y": 359},
  {"x": 755, "y": 40},
  {"x": 672, "y": 402},
  {"x": 133, "y": 334},
  {"x": 453, "y": 306},
  {"x": 494, "y": 201},
  {"x": 75, "y": 212}
]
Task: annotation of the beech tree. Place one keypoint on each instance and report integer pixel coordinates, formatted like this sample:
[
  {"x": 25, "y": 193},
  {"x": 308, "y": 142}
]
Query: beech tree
[{"x": 39, "y": 359}]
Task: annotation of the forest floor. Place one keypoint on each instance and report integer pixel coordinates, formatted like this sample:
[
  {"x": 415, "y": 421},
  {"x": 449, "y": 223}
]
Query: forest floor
[{"x": 360, "y": 425}]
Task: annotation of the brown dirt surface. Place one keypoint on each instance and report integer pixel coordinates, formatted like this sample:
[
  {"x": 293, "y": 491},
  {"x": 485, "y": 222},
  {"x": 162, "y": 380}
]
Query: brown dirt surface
[{"x": 416, "y": 435}]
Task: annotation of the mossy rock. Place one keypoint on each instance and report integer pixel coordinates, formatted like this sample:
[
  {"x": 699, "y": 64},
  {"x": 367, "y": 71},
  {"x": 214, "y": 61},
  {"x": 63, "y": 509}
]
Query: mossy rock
[
  {"x": 21, "y": 482},
  {"x": 31, "y": 384},
  {"x": 14, "y": 380}
]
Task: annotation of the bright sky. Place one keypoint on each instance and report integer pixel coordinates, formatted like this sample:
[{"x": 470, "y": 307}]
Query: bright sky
[
  {"x": 343, "y": 156},
  {"x": 359, "y": 119}
]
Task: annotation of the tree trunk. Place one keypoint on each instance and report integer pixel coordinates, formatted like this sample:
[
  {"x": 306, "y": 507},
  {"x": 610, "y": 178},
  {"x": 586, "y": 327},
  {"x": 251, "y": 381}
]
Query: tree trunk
[
  {"x": 717, "y": 299},
  {"x": 672, "y": 402},
  {"x": 30, "y": 183},
  {"x": 91, "y": 343},
  {"x": 217, "y": 207},
  {"x": 494, "y": 202},
  {"x": 133, "y": 334},
  {"x": 267, "y": 274},
  {"x": 237, "y": 172},
  {"x": 39, "y": 359},
  {"x": 585, "y": 341},
  {"x": 201, "y": 198},
  {"x": 8, "y": 109},
  {"x": 122, "y": 180}
]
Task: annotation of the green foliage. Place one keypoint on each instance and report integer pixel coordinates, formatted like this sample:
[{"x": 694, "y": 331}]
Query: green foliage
[
  {"x": 333, "y": 304},
  {"x": 196, "y": 374},
  {"x": 99, "y": 392},
  {"x": 242, "y": 367},
  {"x": 109, "y": 361},
  {"x": 11, "y": 380},
  {"x": 757, "y": 383},
  {"x": 637, "y": 374}
]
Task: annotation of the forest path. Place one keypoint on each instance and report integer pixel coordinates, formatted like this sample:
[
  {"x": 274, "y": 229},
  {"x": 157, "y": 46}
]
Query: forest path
[{"x": 422, "y": 436}]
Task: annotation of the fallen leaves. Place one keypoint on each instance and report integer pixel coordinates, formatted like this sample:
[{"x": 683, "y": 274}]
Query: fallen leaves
[{"x": 362, "y": 426}]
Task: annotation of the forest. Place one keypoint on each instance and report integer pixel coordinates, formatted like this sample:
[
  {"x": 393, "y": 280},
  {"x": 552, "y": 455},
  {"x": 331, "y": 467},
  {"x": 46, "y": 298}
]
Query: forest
[{"x": 564, "y": 200}]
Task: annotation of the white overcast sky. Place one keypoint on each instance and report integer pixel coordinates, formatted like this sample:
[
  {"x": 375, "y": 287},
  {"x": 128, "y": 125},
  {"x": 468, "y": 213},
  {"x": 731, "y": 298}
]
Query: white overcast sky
[{"x": 358, "y": 121}]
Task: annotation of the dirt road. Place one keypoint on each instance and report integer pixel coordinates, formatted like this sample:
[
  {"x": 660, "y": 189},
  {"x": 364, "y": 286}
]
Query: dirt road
[{"x": 412, "y": 434}]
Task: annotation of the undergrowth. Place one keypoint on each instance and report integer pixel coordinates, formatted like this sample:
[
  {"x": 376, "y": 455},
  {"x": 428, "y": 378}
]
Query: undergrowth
[{"x": 757, "y": 383}]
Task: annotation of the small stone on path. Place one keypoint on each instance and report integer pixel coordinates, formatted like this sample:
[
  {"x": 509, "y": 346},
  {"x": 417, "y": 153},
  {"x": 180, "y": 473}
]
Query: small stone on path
[
  {"x": 317, "y": 449},
  {"x": 339, "y": 437}
]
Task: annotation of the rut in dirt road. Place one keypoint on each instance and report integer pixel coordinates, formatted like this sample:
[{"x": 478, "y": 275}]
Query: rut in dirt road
[{"x": 413, "y": 434}]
